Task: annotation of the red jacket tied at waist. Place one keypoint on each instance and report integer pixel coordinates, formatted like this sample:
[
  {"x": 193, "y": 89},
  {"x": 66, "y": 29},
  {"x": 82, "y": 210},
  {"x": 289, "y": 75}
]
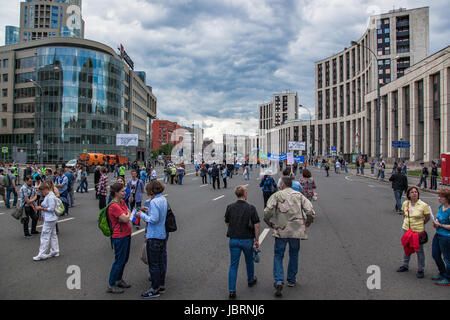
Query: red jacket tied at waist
[{"x": 410, "y": 242}]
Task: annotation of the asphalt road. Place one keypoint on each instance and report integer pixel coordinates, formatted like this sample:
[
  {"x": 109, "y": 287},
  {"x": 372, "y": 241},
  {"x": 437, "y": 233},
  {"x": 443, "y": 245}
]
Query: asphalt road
[{"x": 355, "y": 227}]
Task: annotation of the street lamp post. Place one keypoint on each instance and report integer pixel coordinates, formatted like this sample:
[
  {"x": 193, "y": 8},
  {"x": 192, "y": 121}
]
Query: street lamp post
[
  {"x": 310, "y": 126},
  {"x": 378, "y": 151},
  {"x": 41, "y": 127}
]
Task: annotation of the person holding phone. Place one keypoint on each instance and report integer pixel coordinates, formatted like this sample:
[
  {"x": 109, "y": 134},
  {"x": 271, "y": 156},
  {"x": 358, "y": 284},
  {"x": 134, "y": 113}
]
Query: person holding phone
[
  {"x": 154, "y": 214},
  {"x": 49, "y": 238}
]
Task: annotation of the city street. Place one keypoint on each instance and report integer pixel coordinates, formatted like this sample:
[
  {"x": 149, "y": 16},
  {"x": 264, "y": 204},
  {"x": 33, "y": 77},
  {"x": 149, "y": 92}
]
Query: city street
[{"x": 355, "y": 227}]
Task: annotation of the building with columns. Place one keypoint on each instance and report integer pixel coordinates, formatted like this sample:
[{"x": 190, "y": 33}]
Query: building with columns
[{"x": 393, "y": 54}]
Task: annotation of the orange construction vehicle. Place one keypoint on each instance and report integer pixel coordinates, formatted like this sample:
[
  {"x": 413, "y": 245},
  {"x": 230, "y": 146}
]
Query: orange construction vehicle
[
  {"x": 113, "y": 159},
  {"x": 92, "y": 159}
]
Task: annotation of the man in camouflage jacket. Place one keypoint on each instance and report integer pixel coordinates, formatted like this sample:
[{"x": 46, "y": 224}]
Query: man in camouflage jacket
[{"x": 284, "y": 214}]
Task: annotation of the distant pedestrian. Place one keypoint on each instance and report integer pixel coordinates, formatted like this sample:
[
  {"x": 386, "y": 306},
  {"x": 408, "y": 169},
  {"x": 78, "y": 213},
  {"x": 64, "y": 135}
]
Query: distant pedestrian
[
  {"x": 434, "y": 176},
  {"x": 424, "y": 176},
  {"x": 308, "y": 185},
  {"x": 363, "y": 166},
  {"x": 9, "y": 183},
  {"x": 28, "y": 197},
  {"x": 203, "y": 174},
  {"x": 284, "y": 215},
  {"x": 103, "y": 188},
  {"x": 399, "y": 185},
  {"x": 416, "y": 214},
  {"x": 224, "y": 175},
  {"x": 327, "y": 168},
  {"x": 268, "y": 186},
  {"x": 119, "y": 215},
  {"x": 243, "y": 226},
  {"x": 215, "y": 175},
  {"x": 441, "y": 240}
]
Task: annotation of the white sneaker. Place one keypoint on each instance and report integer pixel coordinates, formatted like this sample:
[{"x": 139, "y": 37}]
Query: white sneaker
[
  {"x": 54, "y": 254},
  {"x": 38, "y": 257}
]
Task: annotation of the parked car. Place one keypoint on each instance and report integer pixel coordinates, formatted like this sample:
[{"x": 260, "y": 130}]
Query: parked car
[{"x": 72, "y": 163}]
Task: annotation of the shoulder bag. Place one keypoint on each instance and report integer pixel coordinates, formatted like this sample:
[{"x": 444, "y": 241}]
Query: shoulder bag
[{"x": 423, "y": 236}]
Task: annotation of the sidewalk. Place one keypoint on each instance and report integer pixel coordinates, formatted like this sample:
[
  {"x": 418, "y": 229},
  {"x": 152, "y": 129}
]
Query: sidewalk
[{"x": 412, "y": 180}]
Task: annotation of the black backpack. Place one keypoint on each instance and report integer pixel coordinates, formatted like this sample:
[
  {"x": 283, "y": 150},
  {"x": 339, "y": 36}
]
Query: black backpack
[{"x": 171, "y": 224}]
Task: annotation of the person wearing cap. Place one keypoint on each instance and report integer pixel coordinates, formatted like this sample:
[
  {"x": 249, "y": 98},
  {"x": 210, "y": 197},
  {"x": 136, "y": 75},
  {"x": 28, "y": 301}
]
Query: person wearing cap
[{"x": 268, "y": 186}]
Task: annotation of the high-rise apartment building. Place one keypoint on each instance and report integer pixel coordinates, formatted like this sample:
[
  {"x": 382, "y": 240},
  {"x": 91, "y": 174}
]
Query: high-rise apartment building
[
  {"x": 393, "y": 55},
  {"x": 41, "y": 19},
  {"x": 282, "y": 108}
]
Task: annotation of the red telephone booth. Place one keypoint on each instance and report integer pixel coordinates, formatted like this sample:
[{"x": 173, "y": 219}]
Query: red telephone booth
[{"x": 445, "y": 168}]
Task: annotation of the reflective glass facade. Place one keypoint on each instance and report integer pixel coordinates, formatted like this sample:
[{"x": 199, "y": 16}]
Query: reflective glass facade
[{"x": 80, "y": 102}]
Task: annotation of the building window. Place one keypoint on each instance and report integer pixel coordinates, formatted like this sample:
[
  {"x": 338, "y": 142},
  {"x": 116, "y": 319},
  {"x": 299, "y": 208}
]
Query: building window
[
  {"x": 4, "y": 123},
  {"x": 4, "y": 107},
  {"x": 5, "y": 63},
  {"x": 4, "y": 93},
  {"x": 5, "y": 77}
]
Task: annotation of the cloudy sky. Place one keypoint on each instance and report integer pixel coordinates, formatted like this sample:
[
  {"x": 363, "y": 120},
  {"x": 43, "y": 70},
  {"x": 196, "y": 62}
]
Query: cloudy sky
[{"x": 213, "y": 62}]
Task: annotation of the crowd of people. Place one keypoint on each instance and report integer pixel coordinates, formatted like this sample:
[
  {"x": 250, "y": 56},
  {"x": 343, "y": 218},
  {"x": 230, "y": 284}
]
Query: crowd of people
[{"x": 288, "y": 211}]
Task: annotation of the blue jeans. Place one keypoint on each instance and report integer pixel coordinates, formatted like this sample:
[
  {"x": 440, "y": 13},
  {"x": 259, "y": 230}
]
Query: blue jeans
[
  {"x": 180, "y": 179},
  {"x": 280, "y": 247},
  {"x": 8, "y": 196},
  {"x": 441, "y": 249},
  {"x": 122, "y": 253},
  {"x": 157, "y": 262},
  {"x": 236, "y": 247},
  {"x": 398, "y": 199}
]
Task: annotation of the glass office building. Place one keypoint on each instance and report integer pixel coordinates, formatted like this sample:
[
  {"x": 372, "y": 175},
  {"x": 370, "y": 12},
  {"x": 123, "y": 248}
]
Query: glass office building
[
  {"x": 74, "y": 96},
  {"x": 79, "y": 103}
]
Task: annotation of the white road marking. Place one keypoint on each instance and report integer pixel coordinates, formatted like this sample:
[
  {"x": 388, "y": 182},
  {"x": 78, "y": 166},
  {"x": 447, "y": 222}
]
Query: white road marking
[
  {"x": 91, "y": 189},
  {"x": 204, "y": 185},
  {"x": 372, "y": 186},
  {"x": 348, "y": 178},
  {"x": 137, "y": 232},
  {"x": 219, "y": 197},
  {"x": 1, "y": 213},
  {"x": 263, "y": 235},
  {"x": 245, "y": 185},
  {"x": 64, "y": 220},
  {"x": 193, "y": 179},
  {"x": 165, "y": 195}
]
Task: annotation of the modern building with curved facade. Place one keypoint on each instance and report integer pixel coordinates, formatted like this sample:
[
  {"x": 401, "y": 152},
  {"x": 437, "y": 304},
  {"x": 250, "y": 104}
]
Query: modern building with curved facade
[
  {"x": 392, "y": 54},
  {"x": 81, "y": 91}
]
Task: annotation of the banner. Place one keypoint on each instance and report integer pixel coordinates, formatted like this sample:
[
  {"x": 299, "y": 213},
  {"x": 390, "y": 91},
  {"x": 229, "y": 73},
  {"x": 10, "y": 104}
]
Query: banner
[
  {"x": 297, "y": 145},
  {"x": 290, "y": 158},
  {"x": 127, "y": 140}
]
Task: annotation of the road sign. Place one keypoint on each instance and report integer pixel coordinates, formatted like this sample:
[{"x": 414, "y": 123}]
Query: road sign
[
  {"x": 333, "y": 148},
  {"x": 4, "y": 149},
  {"x": 401, "y": 144}
]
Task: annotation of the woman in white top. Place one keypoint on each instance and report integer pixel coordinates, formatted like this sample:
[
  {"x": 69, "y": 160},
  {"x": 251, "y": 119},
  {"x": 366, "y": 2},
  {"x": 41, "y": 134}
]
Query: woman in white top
[{"x": 49, "y": 238}]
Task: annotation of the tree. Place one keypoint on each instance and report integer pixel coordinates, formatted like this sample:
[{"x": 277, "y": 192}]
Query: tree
[{"x": 166, "y": 149}]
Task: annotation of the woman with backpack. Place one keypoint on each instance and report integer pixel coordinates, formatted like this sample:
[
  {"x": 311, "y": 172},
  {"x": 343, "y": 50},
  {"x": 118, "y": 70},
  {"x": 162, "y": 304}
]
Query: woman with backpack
[
  {"x": 49, "y": 238},
  {"x": 119, "y": 216}
]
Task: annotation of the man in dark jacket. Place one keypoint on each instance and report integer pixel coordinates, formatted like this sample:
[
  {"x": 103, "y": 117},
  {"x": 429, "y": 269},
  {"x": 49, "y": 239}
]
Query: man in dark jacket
[
  {"x": 424, "y": 176},
  {"x": 215, "y": 176},
  {"x": 399, "y": 184}
]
